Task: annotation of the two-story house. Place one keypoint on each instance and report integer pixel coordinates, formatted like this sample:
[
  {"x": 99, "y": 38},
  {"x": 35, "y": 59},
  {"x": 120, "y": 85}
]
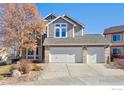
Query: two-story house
[
  {"x": 66, "y": 42},
  {"x": 116, "y": 36}
]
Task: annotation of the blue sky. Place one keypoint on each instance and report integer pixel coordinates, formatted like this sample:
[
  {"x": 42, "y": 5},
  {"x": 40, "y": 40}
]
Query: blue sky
[{"x": 96, "y": 17}]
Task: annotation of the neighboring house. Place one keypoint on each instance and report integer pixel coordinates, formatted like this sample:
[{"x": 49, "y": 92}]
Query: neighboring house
[
  {"x": 116, "y": 36},
  {"x": 66, "y": 42}
]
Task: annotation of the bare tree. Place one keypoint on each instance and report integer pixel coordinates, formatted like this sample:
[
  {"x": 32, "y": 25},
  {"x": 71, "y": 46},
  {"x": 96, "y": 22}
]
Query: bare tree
[{"x": 20, "y": 26}]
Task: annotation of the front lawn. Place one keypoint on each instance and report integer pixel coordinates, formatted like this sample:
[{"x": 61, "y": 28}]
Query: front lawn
[{"x": 5, "y": 69}]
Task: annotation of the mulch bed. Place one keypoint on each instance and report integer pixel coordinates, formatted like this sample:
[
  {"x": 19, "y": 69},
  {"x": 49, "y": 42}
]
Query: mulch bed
[{"x": 32, "y": 76}]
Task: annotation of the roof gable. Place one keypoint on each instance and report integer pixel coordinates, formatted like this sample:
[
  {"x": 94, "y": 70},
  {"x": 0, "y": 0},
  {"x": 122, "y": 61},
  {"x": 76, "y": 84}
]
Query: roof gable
[
  {"x": 52, "y": 16},
  {"x": 73, "y": 20},
  {"x": 63, "y": 19}
]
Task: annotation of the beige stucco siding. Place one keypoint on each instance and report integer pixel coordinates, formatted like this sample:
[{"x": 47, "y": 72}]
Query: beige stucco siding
[
  {"x": 60, "y": 20},
  {"x": 78, "y": 30},
  {"x": 108, "y": 37},
  {"x": 78, "y": 27}
]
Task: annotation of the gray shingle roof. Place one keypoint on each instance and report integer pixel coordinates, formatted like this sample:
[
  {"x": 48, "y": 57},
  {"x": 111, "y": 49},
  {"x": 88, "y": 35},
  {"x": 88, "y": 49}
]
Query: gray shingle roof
[{"x": 87, "y": 39}]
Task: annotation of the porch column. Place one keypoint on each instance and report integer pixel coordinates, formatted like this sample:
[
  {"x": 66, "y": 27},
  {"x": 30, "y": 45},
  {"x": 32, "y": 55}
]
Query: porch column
[
  {"x": 46, "y": 54},
  {"x": 26, "y": 53},
  {"x": 107, "y": 54},
  {"x": 34, "y": 55},
  {"x": 40, "y": 52}
]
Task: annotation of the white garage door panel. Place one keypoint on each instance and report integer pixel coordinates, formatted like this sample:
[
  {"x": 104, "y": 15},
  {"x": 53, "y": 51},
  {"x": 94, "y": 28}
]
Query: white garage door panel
[
  {"x": 65, "y": 54},
  {"x": 96, "y": 55}
]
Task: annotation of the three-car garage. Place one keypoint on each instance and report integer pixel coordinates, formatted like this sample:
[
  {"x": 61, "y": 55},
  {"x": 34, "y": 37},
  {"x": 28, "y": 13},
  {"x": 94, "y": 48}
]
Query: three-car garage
[
  {"x": 87, "y": 49},
  {"x": 75, "y": 55}
]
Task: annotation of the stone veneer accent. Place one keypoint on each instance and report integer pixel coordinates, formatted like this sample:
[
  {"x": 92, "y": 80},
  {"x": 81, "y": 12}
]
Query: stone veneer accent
[
  {"x": 84, "y": 50},
  {"x": 107, "y": 54},
  {"x": 46, "y": 54}
]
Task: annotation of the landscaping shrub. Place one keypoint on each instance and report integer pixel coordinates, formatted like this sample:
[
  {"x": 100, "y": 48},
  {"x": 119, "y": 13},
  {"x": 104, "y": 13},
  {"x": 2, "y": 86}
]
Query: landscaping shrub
[
  {"x": 25, "y": 66},
  {"x": 2, "y": 63},
  {"x": 36, "y": 67}
]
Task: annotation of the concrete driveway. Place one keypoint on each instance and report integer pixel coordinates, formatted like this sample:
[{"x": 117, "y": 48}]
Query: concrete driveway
[{"x": 79, "y": 74}]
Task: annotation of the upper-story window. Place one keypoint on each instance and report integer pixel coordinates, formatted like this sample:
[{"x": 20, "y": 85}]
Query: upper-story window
[
  {"x": 60, "y": 30},
  {"x": 117, "y": 37}
]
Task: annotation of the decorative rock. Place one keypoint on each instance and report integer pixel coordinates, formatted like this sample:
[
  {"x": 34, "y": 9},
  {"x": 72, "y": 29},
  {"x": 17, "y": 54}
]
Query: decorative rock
[
  {"x": 16, "y": 73},
  {"x": 18, "y": 62}
]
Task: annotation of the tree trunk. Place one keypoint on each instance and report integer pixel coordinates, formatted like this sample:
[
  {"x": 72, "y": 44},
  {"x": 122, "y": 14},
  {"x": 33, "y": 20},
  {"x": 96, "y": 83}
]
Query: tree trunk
[{"x": 20, "y": 54}]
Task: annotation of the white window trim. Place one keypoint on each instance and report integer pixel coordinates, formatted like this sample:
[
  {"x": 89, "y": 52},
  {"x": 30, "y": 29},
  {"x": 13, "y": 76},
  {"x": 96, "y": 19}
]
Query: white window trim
[
  {"x": 117, "y": 48},
  {"x": 60, "y": 30},
  {"x": 47, "y": 31},
  {"x": 73, "y": 32},
  {"x": 121, "y": 36},
  {"x": 34, "y": 55},
  {"x": 82, "y": 32}
]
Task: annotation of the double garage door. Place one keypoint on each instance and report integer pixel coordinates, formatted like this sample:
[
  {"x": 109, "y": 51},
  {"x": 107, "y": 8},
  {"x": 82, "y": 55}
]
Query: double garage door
[
  {"x": 75, "y": 54},
  {"x": 65, "y": 54}
]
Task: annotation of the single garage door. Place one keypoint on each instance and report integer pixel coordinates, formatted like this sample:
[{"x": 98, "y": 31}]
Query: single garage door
[
  {"x": 96, "y": 55},
  {"x": 65, "y": 54}
]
